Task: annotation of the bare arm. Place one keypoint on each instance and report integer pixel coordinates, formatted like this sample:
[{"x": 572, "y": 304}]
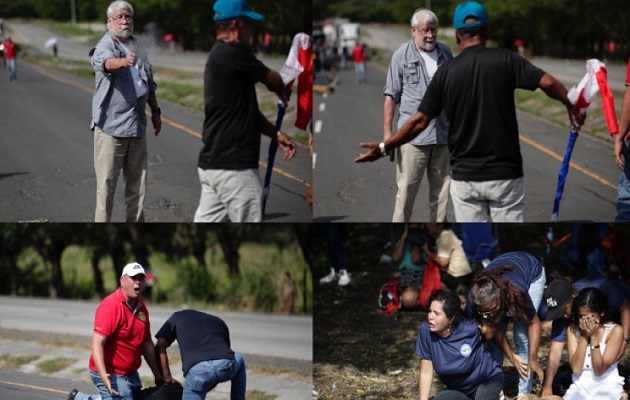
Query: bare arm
[
  {"x": 389, "y": 109},
  {"x": 284, "y": 141},
  {"x": 273, "y": 82},
  {"x": 148, "y": 351},
  {"x": 118, "y": 64},
  {"x": 624, "y": 312},
  {"x": 426, "y": 378},
  {"x": 553, "y": 362},
  {"x": 410, "y": 130},
  {"x": 490, "y": 331},
  {"x": 576, "y": 350},
  {"x": 399, "y": 250},
  {"x": 533, "y": 334},
  {"x": 601, "y": 362},
  {"x": 624, "y": 127},
  {"x": 98, "y": 355},
  {"x": 554, "y": 89},
  {"x": 156, "y": 118},
  {"x": 160, "y": 350}
]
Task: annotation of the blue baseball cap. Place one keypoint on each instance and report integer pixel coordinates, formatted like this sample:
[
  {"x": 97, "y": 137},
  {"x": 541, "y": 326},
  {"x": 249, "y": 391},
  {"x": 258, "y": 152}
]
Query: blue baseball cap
[
  {"x": 230, "y": 9},
  {"x": 469, "y": 9}
]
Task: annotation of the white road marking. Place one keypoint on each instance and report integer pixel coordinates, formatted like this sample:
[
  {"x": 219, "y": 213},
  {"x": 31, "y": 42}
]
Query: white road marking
[
  {"x": 322, "y": 107},
  {"x": 318, "y": 126}
]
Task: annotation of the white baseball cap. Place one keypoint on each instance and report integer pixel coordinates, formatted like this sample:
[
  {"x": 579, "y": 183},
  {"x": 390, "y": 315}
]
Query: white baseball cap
[{"x": 133, "y": 269}]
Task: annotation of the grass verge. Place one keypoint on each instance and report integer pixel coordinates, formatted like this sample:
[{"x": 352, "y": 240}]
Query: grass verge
[
  {"x": 14, "y": 362},
  {"x": 56, "y": 364}
]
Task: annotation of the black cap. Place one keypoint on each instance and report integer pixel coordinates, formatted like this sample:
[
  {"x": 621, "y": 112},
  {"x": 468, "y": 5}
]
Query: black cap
[{"x": 557, "y": 294}]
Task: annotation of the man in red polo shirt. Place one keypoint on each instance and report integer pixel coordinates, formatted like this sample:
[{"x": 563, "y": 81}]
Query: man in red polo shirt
[{"x": 122, "y": 334}]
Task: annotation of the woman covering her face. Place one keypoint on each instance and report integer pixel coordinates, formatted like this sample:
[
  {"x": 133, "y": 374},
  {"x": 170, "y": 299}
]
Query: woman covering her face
[{"x": 593, "y": 344}]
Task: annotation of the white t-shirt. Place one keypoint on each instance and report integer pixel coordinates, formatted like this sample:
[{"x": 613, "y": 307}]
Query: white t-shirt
[{"x": 431, "y": 61}]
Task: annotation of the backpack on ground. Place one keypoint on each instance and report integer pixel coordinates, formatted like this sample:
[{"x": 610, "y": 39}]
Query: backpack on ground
[
  {"x": 389, "y": 297},
  {"x": 165, "y": 391}
]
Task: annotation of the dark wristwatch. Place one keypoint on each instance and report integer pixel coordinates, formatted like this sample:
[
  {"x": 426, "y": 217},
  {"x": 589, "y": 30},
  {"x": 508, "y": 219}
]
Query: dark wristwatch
[
  {"x": 156, "y": 110},
  {"x": 627, "y": 339}
]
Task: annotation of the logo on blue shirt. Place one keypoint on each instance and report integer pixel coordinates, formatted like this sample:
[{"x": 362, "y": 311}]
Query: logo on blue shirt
[{"x": 465, "y": 350}]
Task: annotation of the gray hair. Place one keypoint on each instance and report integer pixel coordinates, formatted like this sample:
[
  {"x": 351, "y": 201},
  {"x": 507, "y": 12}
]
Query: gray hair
[
  {"x": 423, "y": 16},
  {"x": 484, "y": 291},
  {"x": 117, "y": 5}
]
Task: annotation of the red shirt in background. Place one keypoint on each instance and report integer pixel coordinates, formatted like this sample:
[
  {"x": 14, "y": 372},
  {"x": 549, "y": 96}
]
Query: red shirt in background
[
  {"x": 9, "y": 50},
  {"x": 357, "y": 54}
]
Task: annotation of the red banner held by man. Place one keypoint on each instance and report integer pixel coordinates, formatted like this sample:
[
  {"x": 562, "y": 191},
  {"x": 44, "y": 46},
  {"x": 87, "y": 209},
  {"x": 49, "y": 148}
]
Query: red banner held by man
[
  {"x": 299, "y": 65},
  {"x": 582, "y": 95}
]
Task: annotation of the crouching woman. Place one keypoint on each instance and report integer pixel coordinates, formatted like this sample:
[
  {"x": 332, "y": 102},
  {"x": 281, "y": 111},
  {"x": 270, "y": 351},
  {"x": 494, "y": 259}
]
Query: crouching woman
[{"x": 453, "y": 347}]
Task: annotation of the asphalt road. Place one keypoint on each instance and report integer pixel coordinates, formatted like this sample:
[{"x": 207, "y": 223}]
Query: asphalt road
[
  {"x": 46, "y": 148},
  {"x": 273, "y": 341},
  {"x": 350, "y": 192}
]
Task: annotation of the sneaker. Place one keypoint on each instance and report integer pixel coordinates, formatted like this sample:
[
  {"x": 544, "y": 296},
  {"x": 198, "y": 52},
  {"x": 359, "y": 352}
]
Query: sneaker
[
  {"x": 344, "y": 278},
  {"x": 332, "y": 276},
  {"x": 72, "y": 394}
]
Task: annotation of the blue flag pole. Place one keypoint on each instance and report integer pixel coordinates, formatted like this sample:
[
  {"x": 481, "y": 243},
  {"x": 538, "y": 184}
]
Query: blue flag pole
[
  {"x": 271, "y": 156},
  {"x": 562, "y": 174}
]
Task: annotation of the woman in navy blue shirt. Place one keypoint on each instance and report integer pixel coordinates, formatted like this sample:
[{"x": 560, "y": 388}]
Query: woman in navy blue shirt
[{"x": 453, "y": 347}]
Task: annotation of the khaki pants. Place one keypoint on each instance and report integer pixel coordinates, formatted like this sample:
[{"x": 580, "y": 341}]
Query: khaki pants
[
  {"x": 411, "y": 162},
  {"x": 111, "y": 155},
  {"x": 489, "y": 201},
  {"x": 229, "y": 195}
]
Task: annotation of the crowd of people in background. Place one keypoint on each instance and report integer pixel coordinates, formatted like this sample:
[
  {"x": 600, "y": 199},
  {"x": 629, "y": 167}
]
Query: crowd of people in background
[{"x": 482, "y": 313}]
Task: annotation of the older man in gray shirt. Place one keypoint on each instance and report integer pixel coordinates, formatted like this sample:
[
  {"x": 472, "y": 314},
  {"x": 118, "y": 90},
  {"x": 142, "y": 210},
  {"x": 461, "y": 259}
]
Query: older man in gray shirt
[
  {"x": 124, "y": 86},
  {"x": 410, "y": 71}
]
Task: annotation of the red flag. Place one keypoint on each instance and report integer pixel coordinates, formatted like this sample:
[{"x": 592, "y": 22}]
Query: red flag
[
  {"x": 582, "y": 95},
  {"x": 299, "y": 65},
  {"x": 305, "y": 89}
]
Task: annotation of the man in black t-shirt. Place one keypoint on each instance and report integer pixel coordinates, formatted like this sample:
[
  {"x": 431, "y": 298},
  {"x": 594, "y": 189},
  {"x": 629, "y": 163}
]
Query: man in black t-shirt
[
  {"x": 228, "y": 163},
  {"x": 207, "y": 358},
  {"x": 476, "y": 90}
]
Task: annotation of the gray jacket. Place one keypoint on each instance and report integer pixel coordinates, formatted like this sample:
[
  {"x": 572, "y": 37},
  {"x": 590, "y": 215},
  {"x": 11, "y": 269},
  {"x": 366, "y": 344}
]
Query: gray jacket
[
  {"x": 116, "y": 108},
  {"x": 407, "y": 82}
]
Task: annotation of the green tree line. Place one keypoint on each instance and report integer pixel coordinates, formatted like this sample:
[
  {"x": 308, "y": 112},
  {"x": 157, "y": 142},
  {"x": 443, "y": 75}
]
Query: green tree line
[
  {"x": 190, "y": 21},
  {"x": 557, "y": 28},
  {"x": 32, "y": 260}
]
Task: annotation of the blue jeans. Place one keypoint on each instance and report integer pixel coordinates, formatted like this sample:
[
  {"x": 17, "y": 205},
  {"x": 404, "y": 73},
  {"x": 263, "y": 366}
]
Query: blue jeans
[
  {"x": 521, "y": 340},
  {"x": 12, "y": 69},
  {"x": 623, "y": 192},
  {"x": 359, "y": 69},
  {"x": 124, "y": 385},
  {"x": 205, "y": 375}
]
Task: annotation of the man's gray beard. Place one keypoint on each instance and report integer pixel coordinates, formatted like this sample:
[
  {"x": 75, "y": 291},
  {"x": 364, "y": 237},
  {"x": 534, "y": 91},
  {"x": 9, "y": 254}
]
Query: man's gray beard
[
  {"x": 123, "y": 33},
  {"x": 428, "y": 50}
]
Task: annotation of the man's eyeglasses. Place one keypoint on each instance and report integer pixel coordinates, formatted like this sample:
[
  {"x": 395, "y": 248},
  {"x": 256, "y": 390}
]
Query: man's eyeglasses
[
  {"x": 425, "y": 32},
  {"x": 120, "y": 17}
]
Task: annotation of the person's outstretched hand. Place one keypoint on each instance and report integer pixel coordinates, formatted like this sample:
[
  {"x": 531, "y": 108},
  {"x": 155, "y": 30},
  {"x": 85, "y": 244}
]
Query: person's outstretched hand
[{"x": 373, "y": 154}]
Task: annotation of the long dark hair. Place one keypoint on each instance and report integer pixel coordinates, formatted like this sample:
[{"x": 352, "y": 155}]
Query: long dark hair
[
  {"x": 490, "y": 285},
  {"x": 450, "y": 304},
  {"x": 592, "y": 299}
]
